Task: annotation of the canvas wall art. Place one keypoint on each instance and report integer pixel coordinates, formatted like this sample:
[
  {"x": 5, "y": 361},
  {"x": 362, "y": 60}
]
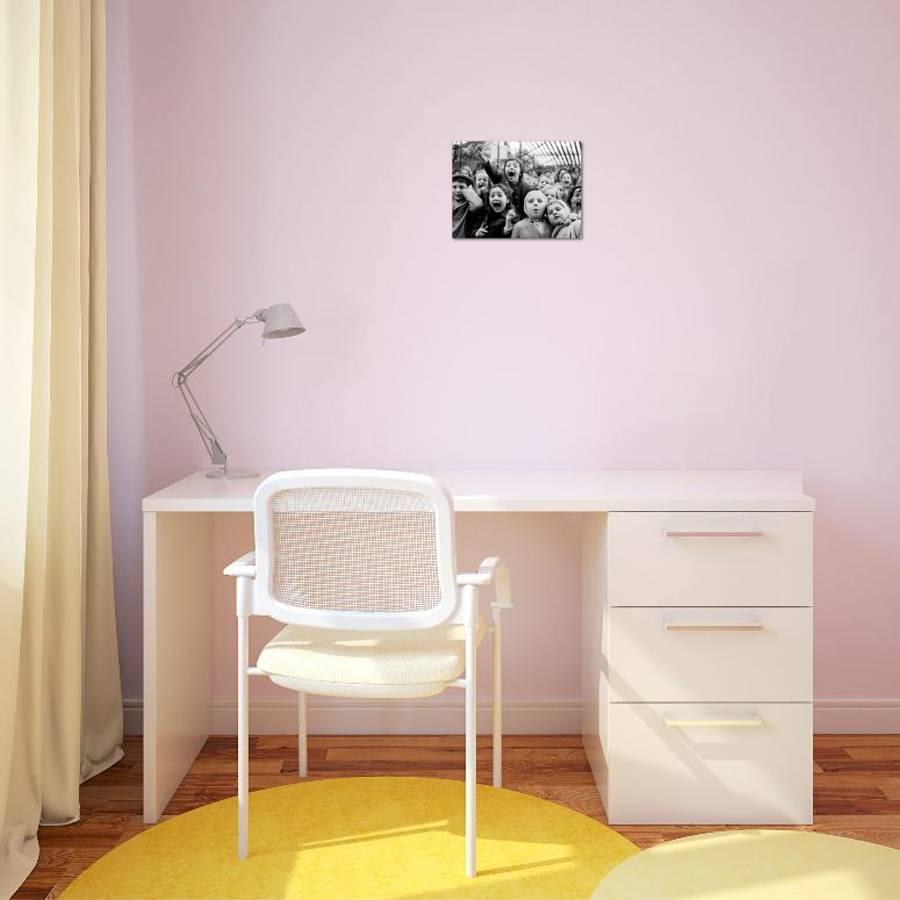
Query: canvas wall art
[{"x": 516, "y": 190}]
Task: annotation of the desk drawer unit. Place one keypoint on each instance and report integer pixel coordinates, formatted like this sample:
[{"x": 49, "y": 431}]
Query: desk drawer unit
[
  {"x": 702, "y": 663},
  {"x": 710, "y": 559}
]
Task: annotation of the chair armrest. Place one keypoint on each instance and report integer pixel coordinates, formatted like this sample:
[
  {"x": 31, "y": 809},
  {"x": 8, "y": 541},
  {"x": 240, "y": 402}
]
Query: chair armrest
[
  {"x": 491, "y": 571},
  {"x": 245, "y": 566}
]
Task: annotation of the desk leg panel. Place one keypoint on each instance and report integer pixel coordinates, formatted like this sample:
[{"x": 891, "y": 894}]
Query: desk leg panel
[
  {"x": 595, "y": 637},
  {"x": 177, "y": 643}
]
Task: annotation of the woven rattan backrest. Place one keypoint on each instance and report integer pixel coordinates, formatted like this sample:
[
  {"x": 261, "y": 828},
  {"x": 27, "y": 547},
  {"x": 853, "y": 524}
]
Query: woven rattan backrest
[{"x": 347, "y": 546}]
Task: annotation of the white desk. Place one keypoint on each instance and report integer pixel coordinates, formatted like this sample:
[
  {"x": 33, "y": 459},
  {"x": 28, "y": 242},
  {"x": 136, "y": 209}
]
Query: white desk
[{"x": 178, "y": 578}]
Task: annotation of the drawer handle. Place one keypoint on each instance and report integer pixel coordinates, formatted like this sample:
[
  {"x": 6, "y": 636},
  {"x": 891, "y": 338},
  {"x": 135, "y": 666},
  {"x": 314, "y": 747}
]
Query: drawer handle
[
  {"x": 736, "y": 626},
  {"x": 711, "y": 534},
  {"x": 751, "y": 722}
]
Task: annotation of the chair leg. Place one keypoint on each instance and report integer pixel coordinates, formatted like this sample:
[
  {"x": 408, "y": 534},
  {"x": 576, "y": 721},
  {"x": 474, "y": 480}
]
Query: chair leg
[
  {"x": 243, "y": 738},
  {"x": 498, "y": 705},
  {"x": 302, "y": 757},
  {"x": 471, "y": 737}
]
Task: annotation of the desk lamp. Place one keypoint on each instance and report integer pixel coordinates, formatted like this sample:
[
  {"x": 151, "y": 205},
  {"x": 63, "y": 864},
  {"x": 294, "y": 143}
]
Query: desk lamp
[{"x": 279, "y": 321}]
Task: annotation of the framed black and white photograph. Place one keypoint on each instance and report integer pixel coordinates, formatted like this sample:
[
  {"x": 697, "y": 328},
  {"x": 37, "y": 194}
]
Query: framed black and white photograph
[{"x": 516, "y": 189}]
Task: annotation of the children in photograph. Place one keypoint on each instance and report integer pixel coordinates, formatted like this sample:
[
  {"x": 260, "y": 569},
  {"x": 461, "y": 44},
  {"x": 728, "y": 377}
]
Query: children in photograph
[
  {"x": 513, "y": 189},
  {"x": 575, "y": 200},
  {"x": 510, "y": 174},
  {"x": 534, "y": 225},
  {"x": 465, "y": 201},
  {"x": 499, "y": 217},
  {"x": 475, "y": 216},
  {"x": 482, "y": 182},
  {"x": 565, "y": 225},
  {"x": 553, "y": 192},
  {"x": 566, "y": 182}
]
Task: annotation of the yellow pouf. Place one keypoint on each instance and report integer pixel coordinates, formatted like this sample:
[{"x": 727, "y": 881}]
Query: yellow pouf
[
  {"x": 757, "y": 865},
  {"x": 363, "y": 837}
]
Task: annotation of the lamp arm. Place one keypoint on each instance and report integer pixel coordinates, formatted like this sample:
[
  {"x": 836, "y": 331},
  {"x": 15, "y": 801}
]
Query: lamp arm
[
  {"x": 217, "y": 455},
  {"x": 180, "y": 380},
  {"x": 211, "y": 347}
]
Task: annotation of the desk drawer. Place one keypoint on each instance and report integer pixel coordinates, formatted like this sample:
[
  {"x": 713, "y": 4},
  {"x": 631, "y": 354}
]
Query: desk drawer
[
  {"x": 723, "y": 764},
  {"x": 682, "y": 654},
  {"x": 709, "y": 559}
]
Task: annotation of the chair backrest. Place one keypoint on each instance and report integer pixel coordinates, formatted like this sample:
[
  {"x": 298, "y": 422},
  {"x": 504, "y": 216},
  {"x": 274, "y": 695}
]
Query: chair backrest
[{"x": 354, "y": 549}]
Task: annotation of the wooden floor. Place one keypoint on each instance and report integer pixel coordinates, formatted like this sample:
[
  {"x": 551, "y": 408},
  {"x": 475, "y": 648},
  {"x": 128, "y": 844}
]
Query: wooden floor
[{"x": 857, "y": 787}]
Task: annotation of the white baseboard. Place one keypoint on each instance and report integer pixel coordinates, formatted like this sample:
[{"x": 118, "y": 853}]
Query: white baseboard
[
  {"x": 443, "y": 716},
  {"x": 133, "y": 716},
  {"x": 334, "y": 716},
  {"x": 857, "y": 716}
]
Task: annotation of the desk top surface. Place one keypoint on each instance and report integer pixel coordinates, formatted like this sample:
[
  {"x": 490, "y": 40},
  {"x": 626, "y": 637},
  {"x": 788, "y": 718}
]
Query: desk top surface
[{"x": 545, "y": 491}]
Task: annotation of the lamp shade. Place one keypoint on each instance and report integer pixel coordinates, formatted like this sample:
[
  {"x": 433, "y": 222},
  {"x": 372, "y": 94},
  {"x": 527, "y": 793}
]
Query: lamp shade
[{"x": 281, "y": 321}]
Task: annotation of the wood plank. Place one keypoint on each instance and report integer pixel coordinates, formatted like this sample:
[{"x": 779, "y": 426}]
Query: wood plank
[
  {"x": 890, "y": 787},
  {"x": 880, "y": 754},
  {"x": 856, "y": 740}
]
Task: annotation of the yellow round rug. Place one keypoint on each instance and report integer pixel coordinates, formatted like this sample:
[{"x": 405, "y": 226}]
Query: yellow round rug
[
  {"x": 363, "y": 837},
  {"x": 757, "y": 865}
]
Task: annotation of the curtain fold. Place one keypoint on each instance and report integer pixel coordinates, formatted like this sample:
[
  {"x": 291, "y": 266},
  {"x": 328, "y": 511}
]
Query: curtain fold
[{"x": 60, "y": 700}]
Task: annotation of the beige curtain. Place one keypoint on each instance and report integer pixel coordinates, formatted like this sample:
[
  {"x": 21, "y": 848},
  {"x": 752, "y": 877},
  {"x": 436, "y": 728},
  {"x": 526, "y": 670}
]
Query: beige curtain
[{"x": 60, "y": 702}]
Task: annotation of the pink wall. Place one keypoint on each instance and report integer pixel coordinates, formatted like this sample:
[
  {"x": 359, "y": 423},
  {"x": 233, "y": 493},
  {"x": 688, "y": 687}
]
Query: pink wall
[{"x": 735, "y": 302}]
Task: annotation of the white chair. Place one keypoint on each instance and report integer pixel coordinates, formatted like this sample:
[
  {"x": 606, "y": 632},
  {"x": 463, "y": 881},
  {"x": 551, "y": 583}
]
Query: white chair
[{"x": 360, "y": 565}]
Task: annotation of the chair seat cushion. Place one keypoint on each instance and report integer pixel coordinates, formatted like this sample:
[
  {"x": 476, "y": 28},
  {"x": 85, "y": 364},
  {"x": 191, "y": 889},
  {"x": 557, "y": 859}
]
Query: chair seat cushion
[{"x": 334, "y": 656}]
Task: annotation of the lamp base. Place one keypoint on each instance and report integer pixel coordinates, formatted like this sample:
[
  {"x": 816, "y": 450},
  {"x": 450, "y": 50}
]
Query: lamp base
[{"x": 223, "y": 472}]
